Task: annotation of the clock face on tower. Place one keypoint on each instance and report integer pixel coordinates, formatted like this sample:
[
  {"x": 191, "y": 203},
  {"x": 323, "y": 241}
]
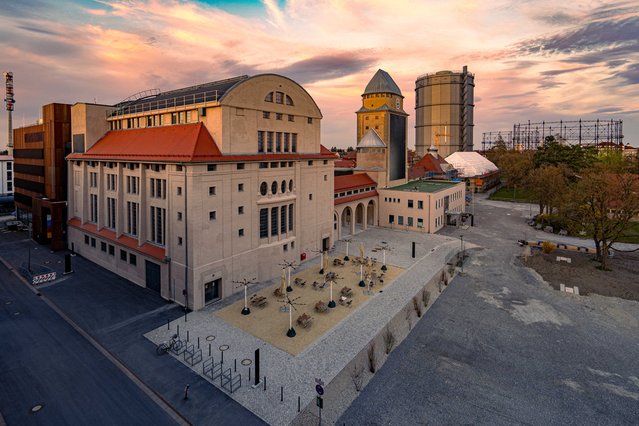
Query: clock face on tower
[{"x": 397, "y": 103}]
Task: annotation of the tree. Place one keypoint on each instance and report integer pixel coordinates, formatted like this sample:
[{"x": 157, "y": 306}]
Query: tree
[
  {"x": 575, "y": 157},
  {"x": 515, "y": 167},
  {"x": 549, "y": 184},
  {"x": 349, "y": 149},
  {"x": 603, "y": 203}
]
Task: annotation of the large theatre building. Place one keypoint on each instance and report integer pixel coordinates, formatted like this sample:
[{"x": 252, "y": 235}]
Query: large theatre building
[{"x": 190, "y": 190}]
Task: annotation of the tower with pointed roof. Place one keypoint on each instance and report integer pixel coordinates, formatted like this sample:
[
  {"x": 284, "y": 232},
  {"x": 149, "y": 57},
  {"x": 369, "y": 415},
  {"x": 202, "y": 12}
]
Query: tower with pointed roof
[{"x": 381, "y": 131}]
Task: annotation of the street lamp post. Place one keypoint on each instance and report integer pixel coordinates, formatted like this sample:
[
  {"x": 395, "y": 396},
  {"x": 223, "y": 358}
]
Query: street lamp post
[{"x": 346, "y": 258}]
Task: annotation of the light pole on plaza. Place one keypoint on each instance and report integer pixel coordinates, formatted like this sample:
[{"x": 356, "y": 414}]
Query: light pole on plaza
[
  {"x": 461, "y": 237},
  {"x": 245, "y": 283},
  {"x": 347, "y": 241}
]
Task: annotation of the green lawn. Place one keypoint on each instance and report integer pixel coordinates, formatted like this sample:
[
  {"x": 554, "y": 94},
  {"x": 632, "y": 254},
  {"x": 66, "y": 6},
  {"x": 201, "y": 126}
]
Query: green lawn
[
  {"x": 508, "y": 194},
  {"x": 632, "y": 234}
]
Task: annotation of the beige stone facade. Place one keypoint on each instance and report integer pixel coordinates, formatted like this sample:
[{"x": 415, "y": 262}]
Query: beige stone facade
[
  {"x": 261, "y": 193},
  {"x": 421, "y": 206}
]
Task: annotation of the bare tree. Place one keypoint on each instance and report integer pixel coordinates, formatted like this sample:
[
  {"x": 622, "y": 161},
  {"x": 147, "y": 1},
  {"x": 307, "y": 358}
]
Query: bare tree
[
  {"x": 409, "y": 317},
  {"x": 417, "y": 306},
  {"x": 389, "y": 340},
  {"x": 357, "y": 376},
  {"x": 372, "y": 358}
]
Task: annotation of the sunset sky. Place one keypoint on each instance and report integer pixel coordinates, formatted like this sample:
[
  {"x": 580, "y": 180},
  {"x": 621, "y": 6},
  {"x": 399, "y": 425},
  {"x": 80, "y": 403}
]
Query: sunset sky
[{"x": 532, "y": 60}]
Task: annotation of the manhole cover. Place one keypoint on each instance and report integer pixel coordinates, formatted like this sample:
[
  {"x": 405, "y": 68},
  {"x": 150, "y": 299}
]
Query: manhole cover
[
  {"x": 246, "y": 361},
  {"x": 36, "y": 408},
  {"x": 210, "y": 338},
  {"x": 224, "y": 347}
]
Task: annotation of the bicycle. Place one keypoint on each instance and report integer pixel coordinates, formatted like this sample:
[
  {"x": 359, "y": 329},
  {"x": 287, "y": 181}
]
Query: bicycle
[{"x": 174, "y": 344}]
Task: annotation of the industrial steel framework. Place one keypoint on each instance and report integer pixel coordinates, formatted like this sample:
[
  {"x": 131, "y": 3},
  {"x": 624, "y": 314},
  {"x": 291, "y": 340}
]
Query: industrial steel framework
[{"x": 528, "y": 136}]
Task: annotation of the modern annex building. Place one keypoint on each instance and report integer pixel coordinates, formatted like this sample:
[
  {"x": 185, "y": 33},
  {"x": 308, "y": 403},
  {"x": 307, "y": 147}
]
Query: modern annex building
[{"x": 186, "y": 191}]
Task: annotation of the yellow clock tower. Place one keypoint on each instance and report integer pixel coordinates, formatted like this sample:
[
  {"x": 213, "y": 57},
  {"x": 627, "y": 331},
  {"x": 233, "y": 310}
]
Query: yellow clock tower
[{"x": 381, "y": 131}]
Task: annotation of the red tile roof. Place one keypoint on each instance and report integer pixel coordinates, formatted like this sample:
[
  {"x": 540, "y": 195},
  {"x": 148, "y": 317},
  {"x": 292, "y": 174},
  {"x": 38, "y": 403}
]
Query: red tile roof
[
  {"x": 358, "y": 180},
  {"x": 183, "y": 143},
  {"x": 355, "y": 197},
  {"x": 123, "y": 240},
  {"x": 427, "y": 164},
  {"x": 345, "y": 164}
]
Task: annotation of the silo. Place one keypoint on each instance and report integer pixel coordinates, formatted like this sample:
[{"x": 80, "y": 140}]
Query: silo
[{"x": 444, "y": 103}]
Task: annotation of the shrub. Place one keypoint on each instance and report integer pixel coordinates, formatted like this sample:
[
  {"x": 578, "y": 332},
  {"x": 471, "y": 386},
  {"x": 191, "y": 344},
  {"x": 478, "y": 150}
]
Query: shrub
[
  {"x": 425, "y": 297},
  {"x": 409, "y": 317},
  {"x": 372, "y": 358},
  {"x": 389, "y": 340},
  {"x": 357, "y": 376},
  {"x": 417, "y": 306},
  {"x": 548, "y": 247}
]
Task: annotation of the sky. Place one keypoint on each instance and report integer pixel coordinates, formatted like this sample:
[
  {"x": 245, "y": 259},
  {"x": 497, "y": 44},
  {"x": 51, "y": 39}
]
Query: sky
[{"x": 532, "y": 59}]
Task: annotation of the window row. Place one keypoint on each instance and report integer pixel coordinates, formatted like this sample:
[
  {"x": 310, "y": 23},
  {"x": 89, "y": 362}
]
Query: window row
[
  {"x": 278, "y": 98},
  {"x": 354, "y": 191},
  {"x": 110, "y": 248},
  {"x": 392, "y": 200},
  {"x": 281, "y": 219},
  {"x": 157, "y": 188},
  {"x": 274, "y": 187},
  {"x": 409, "y": 221},
  {"x": 278, "y": 116},
  {"x": 275, "y": 164},
  {"x": 276, "y": 141}
]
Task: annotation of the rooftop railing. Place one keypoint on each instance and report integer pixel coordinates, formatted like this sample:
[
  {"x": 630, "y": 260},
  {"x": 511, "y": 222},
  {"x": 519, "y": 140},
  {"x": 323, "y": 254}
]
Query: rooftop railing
[{"x": 175, "y": 102}]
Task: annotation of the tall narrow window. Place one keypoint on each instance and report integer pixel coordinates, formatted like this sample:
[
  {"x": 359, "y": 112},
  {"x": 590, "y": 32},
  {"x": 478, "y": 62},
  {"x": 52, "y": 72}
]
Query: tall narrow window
[
  {"x": 287, "y": 137},
  {"x": 269, "y": 141},
  {"x": 132, "y": 218},
  {"x": 294, "y": 142},
  {"x": 283, "y": 220},
  {"x": 274, "y": 227},
  {"x": 263, "y": 223},
  {"x": 94, "y": 208},
  {"x": 278, "y": 142},
  {"x": 290, "y": 217},
  {"x": 111, "y": 213},
  {"x": 260, "y": 141}
]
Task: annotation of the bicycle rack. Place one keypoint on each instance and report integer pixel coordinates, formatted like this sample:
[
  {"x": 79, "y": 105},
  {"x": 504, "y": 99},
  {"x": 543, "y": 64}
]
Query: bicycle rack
[
  {"x": 179, "y": 347},
  {"x": 230, "y": 382},
  {"x": 211, "y": 369},
  {"x": 192, "y": 356}
]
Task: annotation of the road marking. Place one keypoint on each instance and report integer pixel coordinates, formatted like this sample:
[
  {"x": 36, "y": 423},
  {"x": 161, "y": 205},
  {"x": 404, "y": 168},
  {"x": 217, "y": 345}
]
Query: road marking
[
  {"x": 152, "y": 394},
  {"x": 133, "y": 319}
]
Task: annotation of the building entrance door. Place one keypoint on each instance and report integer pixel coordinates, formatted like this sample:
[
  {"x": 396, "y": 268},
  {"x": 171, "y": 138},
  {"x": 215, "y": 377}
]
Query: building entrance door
[
  {"x": 153, "y": 277},
  {"x": 212, "y": 290},
  {"x": 325, "y": 244}
]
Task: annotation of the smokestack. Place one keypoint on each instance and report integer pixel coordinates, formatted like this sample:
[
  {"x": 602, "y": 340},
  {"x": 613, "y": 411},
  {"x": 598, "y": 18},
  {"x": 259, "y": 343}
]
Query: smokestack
[{"x": 9, "y": 101}]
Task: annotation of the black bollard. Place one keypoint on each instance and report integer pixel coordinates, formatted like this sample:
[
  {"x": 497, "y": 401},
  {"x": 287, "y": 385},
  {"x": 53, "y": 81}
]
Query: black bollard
[
  {"x": 235, "y": 365},
  {"x": 209, "y": 349},
  {"x": 257, "y": 367},
  {"x": 198, "y": 342},
  {"x": 72, "y": 249},
  {"x": 222, "y": 357},
  {"x": 298, "y": 404},
  {"x": 187, "y": 335},
  {"x": 186, "y": 391},
  {"x": 178, "y": 329},
  {"x": 67, "y": 264},
  {"x": 264, "y": 382},
  {"x": 249, "y": 374},
  {"x": 281, "y": 393},
  {"x": 413, "y": 249},
  {"x": 168, "y": 324}
]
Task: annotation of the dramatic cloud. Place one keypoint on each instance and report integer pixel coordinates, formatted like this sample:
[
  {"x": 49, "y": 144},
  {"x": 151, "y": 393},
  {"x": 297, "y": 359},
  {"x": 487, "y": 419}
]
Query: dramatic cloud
[{"x": 532, "y": 60}]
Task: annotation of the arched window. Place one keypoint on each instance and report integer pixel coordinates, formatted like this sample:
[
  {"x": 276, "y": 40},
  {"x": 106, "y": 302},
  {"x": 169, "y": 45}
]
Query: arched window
[
  {"x": 283, "y": 187},
  {"x": 274, "y": 187},
  {"x": 263, "y": 188},
  {"x": 289, "y": 101},
  {"x": 269, "y": 97},
  {"x": 290, "y": 185}
]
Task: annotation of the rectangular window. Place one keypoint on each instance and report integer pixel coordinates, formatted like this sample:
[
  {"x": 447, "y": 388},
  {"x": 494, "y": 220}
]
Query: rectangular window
[
  {"x": 212, "y": 215},
  {"x": 240, "y": 187},
  {"x": 283, "y": 220},
  {"x": 266, "y": 114},
  {"x": 178, "y": 168},
  {"x": 93, "y": 208},
  {"x": 294, "y": 142},
  {"x": 111, "y": 250},
  {"x": 132, "y": 218},
  {"x": 179, "y": 216},
  {"x": 260, "y": 141},
  {"x": 420, "y": 204},
  {"x": 274, "y": 215},
  {"x": 103, "y": 246},
  {"x": 309, "y": 120},
  {"x": 410, "y": 221},
  {"x": 240, "y": 166},
  {"x": 263, "y": 165},
  {"x": 211, "y": 167},
  {"x": 310, "y": 163},
  {"x": 179, "y": 190},
  {"x": 111, "y": 213},
  {"x": 179, "y": 241},
  {"x": 391, "y": 219},
  {"x": 400, "y": 220},
  {"x": 269, "y": 141},
  {"x": 240, "y": 210},
  {"x": 290, "y": 219},
  {"x": 93, "y": 179},
  {"x": 278, "y": 142},
  {"x": 310, "y": 197},
  {"x": 279, "y": 97},
  {"x": 211, "y": 191},
  {"x": 420, "y": 222},
  {"x": 287, "y": 137},
  {"x": 92, "y": 242},
  {"x": 240, "y": 232},
  {"x": 86, "y": 239},
  {"x": 133, "y": 260},
  {"x": 158, "y": 222},
  {"x": 123, "y": 255},
  {"x": 263, "y": 223},
  {"x": 410, "y": 204},
  {"x": 291, "y": 117}
]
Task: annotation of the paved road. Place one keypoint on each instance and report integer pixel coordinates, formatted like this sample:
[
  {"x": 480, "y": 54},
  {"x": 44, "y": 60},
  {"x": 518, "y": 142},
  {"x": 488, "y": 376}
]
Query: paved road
[
  {"x": 117, "y": 313},
  {"x": 45, "y": 361},
  {"x": 501, "y": 347}
]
